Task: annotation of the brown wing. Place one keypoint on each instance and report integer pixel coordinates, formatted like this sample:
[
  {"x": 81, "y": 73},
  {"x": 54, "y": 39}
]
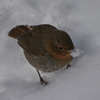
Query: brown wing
[
  {"x": 18, "y": 31},
  {"x": 33, "y": 45}
]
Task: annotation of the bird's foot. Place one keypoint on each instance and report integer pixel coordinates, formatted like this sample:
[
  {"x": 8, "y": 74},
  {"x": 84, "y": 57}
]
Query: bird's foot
[
  {"x": 68, "y": 66},
  {"x": 43, "y": 82}
]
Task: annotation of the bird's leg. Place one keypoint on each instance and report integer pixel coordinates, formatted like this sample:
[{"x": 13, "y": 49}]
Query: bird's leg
[
  {"x": 42, "y": 81},
  {"x": 68, "y": 66}
]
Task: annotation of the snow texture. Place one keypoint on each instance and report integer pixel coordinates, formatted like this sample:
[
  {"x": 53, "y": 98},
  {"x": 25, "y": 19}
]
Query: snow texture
[
  {"x": 76, "y": 53},
  {"x": 81, "y": 19}
]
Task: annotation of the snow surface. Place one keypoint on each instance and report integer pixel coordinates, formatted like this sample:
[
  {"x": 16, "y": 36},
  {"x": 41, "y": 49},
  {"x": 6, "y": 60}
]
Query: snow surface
[{"x": 81, "y": 19}]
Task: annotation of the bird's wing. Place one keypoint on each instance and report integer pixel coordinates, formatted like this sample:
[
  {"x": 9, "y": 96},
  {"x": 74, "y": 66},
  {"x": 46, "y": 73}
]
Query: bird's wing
[
  {"x": 32, "y": 43},
  {"x": 19, "y": 31},
  {"x": 29, "y": 38}
]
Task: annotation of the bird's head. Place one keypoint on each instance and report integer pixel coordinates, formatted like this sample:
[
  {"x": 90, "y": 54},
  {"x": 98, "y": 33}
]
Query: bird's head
[{"x": 59, "y": 45}]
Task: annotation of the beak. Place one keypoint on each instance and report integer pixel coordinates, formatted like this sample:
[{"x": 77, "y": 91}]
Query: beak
[{"x": 75, "y": 53}]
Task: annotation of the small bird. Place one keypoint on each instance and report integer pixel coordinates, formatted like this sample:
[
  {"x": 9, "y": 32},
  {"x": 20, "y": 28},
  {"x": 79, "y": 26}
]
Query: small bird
[{"x": 46, "y": 48}]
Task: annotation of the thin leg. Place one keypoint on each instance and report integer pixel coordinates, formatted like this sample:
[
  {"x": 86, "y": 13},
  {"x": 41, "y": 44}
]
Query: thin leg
[
  {"x": 68, "y": 66},
  {"x": 42, "y": 81}
]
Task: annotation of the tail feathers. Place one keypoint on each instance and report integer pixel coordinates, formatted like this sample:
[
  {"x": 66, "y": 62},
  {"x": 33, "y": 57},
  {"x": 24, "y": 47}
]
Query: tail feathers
[{"x": 19, "y": 31}]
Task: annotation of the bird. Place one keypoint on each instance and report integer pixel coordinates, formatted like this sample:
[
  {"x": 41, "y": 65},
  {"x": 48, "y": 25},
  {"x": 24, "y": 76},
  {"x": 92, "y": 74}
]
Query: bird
[{"x": 45, "y": 47}]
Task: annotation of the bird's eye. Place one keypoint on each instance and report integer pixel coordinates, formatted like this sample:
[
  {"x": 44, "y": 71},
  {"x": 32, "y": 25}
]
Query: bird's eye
[{"x": 61, "y": 48}]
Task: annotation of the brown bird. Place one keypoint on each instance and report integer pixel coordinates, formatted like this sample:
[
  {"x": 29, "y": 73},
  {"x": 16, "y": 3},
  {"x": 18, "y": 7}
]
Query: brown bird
[{"x": 45, "y": 47}]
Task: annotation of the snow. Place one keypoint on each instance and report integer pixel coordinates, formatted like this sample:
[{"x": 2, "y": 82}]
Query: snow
[
  {"x": 76, "y": 53},
  {"x": 81, "y": 19}
]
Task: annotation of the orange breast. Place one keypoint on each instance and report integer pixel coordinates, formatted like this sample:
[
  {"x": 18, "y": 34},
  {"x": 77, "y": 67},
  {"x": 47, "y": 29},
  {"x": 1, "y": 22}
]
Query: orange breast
[
  {"x": 67, "y": 57},
  {"x": 58, "y": 56}
]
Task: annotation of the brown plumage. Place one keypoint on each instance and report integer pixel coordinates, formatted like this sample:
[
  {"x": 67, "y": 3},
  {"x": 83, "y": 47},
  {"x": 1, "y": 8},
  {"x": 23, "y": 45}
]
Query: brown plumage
[{"x": 45, "y": 47}]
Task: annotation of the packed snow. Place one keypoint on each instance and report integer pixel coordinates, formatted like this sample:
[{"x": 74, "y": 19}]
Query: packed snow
[{"x": 81, "y": 19}]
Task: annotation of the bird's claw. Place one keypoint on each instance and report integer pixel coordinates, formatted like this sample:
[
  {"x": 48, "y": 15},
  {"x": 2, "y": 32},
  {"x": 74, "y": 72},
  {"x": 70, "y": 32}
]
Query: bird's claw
[
  {"x": 43, "y": 82},
  {"x": 68, "y": 66}
]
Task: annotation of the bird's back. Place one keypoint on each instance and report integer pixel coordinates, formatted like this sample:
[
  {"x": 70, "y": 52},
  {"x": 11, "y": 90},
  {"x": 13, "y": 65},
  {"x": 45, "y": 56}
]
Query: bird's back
[{"x": 30, "y": 38}]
